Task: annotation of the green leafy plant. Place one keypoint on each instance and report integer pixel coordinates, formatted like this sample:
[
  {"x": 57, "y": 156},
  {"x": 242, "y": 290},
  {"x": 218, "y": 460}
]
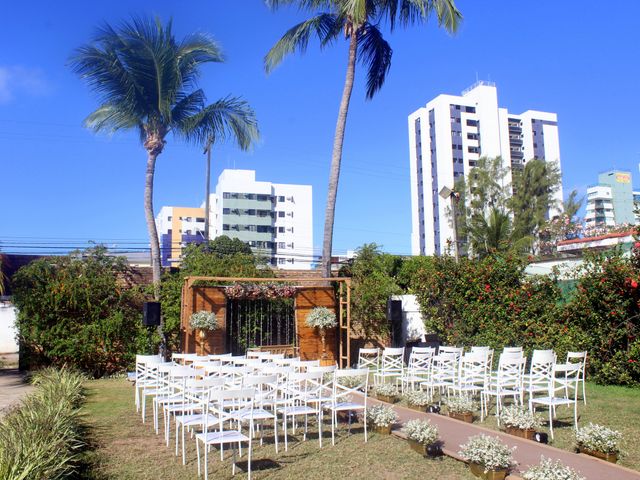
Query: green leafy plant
[
  {"x": 421, "y": 431},
  {"x": 419, "y": 398},
  {"x": 547, "y": 469},
  {"x": 386, "y": 389},
  {"x": 460, "y": 404},
  {"x": 322, "y": 318},
  {"x": 381, "y": 416},
  {"x": 488, "y": 452},
  {"x": 203, "y": 320},
  {"x": 598, "y": 438},
  {"x": 519, "y": 417}
]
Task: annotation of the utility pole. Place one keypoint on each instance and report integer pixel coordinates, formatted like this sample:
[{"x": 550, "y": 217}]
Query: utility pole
[{"x": 207, "y": 150}]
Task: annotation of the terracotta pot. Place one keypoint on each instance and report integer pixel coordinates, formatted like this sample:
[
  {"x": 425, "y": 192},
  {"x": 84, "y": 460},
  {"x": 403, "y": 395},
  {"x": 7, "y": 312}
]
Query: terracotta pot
[
  {"x": 382, "y": 430},
  {"x": 609, "y": 457},
  {"x": 465, "y": 417},
  {"x": 387, "y": 398},
  {"x": 478, "y": 471},
  {"x": 528, "y": 433}
]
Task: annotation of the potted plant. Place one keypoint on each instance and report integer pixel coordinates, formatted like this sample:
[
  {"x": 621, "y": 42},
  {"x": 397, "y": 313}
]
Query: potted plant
[
  {"x": 422, "y": 436},
  {"x": 487, "y": 456},
  {"x": 599, "y": 441},
  {"x": 547, "y": 469},
  {"x": 386, "y": 392},
  {"x": 418, "y": 400},
  {"x": 321, "y": 318},
  {"x": 382, "y": 418},
  {"x": 203, "y": 322},
  {"x": 520, "y": 422},
  {"x": 461, "y": 407}
]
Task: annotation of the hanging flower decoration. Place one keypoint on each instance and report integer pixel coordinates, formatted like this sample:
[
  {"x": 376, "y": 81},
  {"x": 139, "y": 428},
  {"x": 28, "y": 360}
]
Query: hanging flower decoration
[{"x": 252, "y": 291}]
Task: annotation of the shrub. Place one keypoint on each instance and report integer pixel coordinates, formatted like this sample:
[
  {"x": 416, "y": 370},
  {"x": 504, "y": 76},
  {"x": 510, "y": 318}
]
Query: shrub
[
  {"x": 386, "y": 389},
  {"x": 419, "y": 398},
  {"x": 488, "y": 452},
  {"x": 519, "y": 417},
  {"x": 381, "y": 416},
  {"x": 79, "y": 310},
  {"x": 41, "y": 438},
  {"x": 547, "y": 469},
  {"x": 321, "y": 317},
  {"x": 460, "y": 404},
  {"x": 421, "y": 431},
  {"x": 598, "y": 438}
]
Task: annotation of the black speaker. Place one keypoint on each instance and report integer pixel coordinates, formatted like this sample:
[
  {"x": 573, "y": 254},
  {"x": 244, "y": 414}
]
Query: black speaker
[
  {"x": 151, "y": 314},
  {"x": 394, "y": 315}
]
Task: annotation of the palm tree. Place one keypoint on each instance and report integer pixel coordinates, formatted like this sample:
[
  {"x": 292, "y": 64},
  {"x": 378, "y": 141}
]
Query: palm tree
[
  {"x": 147, "y": 81},
  {"x": 358, "y": 21}
]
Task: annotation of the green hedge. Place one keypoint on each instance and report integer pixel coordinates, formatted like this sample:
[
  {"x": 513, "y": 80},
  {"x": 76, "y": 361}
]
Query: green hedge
[{"x": 41, "y": 439}]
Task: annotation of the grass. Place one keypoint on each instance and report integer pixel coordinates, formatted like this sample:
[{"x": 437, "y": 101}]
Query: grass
[
  {"x": 614, "y": 407},
  {"x": 125, "y": 448}
]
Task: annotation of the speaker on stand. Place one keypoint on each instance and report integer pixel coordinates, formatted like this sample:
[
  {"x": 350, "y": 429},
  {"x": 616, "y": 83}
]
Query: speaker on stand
[
  {"x": 394, "y": 316},
  {"x": 151, "y": 313}
]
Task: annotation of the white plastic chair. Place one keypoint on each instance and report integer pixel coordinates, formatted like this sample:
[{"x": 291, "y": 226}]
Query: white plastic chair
[
  {"x": 301, "y": 392},
  {"x": 540, "y": 372},
  {"x": 341, "y": 400},
  {"x": 223, "y": 404},
  {"x": 144, "y": 375},
  {"x": 266, "y": 400},
  {"x": 443, "y": 373},
  {"x": 581, "y": 359},
  {"x": 571, "y": 374},
  {"x": 509, "y": 382},
  {"x": 391, "y": 365},
  {"x": 417, "y": 371},
  {"x": 472, "y": 377},
  {"x": 369, "y": 358}
]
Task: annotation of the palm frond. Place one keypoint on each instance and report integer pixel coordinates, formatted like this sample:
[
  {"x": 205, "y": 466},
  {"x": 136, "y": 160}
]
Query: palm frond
[
  {"x": 375, "y": 53},
  {"x": 410, "y": 12},
  {"x": 195, "y": 50},
  {"x": 301, "y": 4},
  {"x": 230, "y": 118},
  {"x": 111, "y": 118},
  {"x": 326, "y": 26}
]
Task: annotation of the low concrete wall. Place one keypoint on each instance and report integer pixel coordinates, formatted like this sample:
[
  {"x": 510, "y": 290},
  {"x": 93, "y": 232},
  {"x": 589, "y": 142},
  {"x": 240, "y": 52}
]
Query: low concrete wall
[{"x": 8, "y": 342}]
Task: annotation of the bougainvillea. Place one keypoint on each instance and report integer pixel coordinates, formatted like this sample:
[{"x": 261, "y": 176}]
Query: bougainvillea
[{"x": 252, "y": 291}]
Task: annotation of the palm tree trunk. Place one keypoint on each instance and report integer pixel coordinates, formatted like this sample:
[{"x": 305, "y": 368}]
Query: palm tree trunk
[
  {"x": 206, "y": 192},
  {"x": 336, "y": 156},
  {"x": 151, "y": 223}
]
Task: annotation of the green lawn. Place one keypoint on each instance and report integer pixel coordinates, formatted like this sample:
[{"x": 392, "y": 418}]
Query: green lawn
[{"x": 122, "y": 447}]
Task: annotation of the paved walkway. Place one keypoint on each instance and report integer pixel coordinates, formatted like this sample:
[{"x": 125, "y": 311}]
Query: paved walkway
[
  {"x": 455, "y": 432},
  {"x": 12, "y": 388}
]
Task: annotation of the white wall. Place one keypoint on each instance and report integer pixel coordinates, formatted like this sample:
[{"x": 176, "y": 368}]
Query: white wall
[
  {"x": 8, "y": 342},
  {"x": 412, "y": 323}
]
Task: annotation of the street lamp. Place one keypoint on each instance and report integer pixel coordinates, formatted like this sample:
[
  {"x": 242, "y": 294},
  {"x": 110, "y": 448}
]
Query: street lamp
[{"x": 445, "y": 193}]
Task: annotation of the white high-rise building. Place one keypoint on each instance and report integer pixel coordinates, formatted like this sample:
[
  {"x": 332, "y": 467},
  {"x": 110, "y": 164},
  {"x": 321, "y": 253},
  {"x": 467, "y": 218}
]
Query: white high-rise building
[
  {"x": 599, "y": 207},
  {"x": 448, "y": 137},
  {"x": 274, "y": 219}
]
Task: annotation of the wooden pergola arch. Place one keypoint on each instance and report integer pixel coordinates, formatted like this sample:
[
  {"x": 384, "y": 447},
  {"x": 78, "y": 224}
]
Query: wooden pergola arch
[{"x": 311, "y": 292}]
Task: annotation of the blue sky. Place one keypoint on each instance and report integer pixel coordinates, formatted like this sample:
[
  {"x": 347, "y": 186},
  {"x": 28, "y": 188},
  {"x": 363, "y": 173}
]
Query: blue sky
[{"x": 62, "y": 182}]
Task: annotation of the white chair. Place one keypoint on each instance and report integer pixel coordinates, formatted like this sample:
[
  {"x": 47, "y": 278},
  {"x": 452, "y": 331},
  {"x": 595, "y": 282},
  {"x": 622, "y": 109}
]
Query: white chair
[
  {"x": 391, "y": 365},
  {"x": 472, "y": 377},
  {"x": 581, "y": 359},
  {"x": 571, "y": 373},
  {"x": 424, "y": 350},
  {"x": 443, "y": 373},
  {"x": 369, "y": 358},
  {"x": 417, "y": 371},
  {"x": 144, "y": 375},
  {"x": 342, "y": 401},
  {"x": 172, "y": 399},
  {"x": 457, "y": 351},
  {"x": 509, "y": 382},
  {"x": 266, "y": 400},
  {"x": 195, "y": 392},
  {"x": 303, "y": 365},
  {"x": 301, "y": 393},
  {"x": 327, "y": 381},
  {"x": 540, "y": 372},
  {"x": 223, "y": 404}
]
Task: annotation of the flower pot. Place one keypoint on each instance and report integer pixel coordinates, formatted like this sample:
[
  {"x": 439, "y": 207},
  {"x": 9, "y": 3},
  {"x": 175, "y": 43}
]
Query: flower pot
[
  {"x": 382, "y": 430},
  {"x": 432, "y": 450},
  {"x": 465, "y": 417},
  {"x": 478, "y": 471},
  {"x": 609, "y": 457},
  {"x": 387, "y": 398},
  {"x": 418, "y": 408},
  {"x": 528, "y": 433}
]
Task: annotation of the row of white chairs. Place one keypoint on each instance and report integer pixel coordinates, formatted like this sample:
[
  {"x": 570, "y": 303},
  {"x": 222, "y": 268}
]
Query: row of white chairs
[
  {"x": 452, "y": 370},
  {"x": 227, "y": 400}
]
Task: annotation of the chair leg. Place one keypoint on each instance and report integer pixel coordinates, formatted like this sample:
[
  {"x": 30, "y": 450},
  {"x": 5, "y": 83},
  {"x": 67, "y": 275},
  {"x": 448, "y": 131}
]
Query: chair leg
[
  {"x": 584, "y": 392},
  {"x": 551, "y": 421},
  {"x": 275, "y": 429},
  {"x": 249, "y": 462},
  {"x": 284, "y": 427},
  {"x": 364, "y": 419},
  {"x": 198, "y": 452},
  {"x": 319, "y": 419},
  {"x": 333, "y": 426},
  {"x": 206, "y": 462}
]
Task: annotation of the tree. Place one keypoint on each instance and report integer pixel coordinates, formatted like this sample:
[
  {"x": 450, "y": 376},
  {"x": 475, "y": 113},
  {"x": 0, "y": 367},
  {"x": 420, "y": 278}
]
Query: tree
[
  {"x": 146, "y": 81},
  {"x": 533, "y": 191},
  {"x": 572, "y": 204},
  {"x": 224, "y": 245},
  {"x": 358, "y": 21}
]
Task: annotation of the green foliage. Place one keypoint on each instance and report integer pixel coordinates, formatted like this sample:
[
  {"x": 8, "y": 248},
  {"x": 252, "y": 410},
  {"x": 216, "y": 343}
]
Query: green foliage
[
  {"x": 79, "y": 310},
  {"x": 221, "y": 257},
  {"x": 373, "y": 282},
  {"x": 41, "y": 439}
]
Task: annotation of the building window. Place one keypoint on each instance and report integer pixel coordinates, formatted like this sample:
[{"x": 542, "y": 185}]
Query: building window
[
  {"x": 226, "y": 211},
  {"x": 281, "y": 245},
  {"x": 280, "y": 214},
  {"x": 280, "y": 229},
  {"x": 472, "y": 123},
  {"x": 225, "y": 226},
  {"x": 281, "y": 198}
]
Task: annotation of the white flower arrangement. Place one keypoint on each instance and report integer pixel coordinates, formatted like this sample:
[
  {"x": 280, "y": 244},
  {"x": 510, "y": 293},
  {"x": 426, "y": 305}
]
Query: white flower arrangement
[
  {"x": 322, "y": 318},
  {"x": 488, "y": 452},
  {"x": 461, "y": 404},
  {"x": 386, "y": 389},
  {"x": 418, "y": 398},
  {"x": 381, "y": 416},
  {"x": 203, "y": 320},
  {"x": 547, "y": 469},
  {"x": 421, "y": 431},
  {"x": 519, "y": 417},
  {"x": 350, "y": 382},
  {"x": 598, "y": 438}
]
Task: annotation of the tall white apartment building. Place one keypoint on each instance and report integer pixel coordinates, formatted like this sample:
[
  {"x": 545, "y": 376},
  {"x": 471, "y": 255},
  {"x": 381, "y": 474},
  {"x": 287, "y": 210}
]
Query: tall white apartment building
[
  {"x": 274, "y": 219},
  {"x": 599, "y": 212},
  {"x": 448, "y": 137}
]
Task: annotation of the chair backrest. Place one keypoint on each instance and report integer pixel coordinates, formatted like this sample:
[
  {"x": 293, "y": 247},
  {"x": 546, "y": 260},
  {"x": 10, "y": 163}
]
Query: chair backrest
[
  {"x": 222, "y": 356},
  {"x": 303, "y": 365},
  {"x": 419, "y": 363},
  {"x": 449, "y": 349},
  {"x": 473, "y": 368},
  {"x": 477, "y": 348},
  {"x": 350, "y": 381},
  {"x": 423, "y": 350},
  {"x": 303, "y": 385},
  {"x": 577, "y": 357},
  {"x": 541, "y": 368},
  {"x": 511, "y": 372},
  {"x": 369, "y": 358},
  {"x": 392, "y": 360},
  {"x": 572, "y": 374},
  {"x": 543, "y": 356},
  {"x": 223, "y": 403},
  {"x": 512, "y": 350}
]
